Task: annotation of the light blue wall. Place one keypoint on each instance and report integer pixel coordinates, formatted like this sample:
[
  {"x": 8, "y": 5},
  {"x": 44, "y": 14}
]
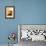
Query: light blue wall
[
  {"x": 27, "y": 12},
  {"x": 31, "y": 11},
  {"x": 6, "y": 26}
]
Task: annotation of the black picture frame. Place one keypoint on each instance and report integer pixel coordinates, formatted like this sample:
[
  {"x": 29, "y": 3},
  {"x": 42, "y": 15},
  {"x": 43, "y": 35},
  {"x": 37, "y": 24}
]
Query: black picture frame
[{"x": 13, "y": 12}]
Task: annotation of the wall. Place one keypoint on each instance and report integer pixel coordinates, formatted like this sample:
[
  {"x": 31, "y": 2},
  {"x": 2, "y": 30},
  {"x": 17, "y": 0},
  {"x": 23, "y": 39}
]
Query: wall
[
  {"x": 27, "y": 12},
  {"x": 6, "y": 25},
  {"x": 31, "y": 11}
]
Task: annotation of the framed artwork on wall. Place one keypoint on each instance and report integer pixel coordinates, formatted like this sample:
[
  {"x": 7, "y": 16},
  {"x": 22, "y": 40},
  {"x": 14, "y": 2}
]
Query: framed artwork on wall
[{"x": 10, "y": 12}]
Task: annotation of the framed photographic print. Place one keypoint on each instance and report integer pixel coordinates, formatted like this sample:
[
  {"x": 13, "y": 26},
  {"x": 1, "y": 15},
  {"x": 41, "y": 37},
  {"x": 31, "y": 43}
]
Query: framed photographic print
[{"x": 9, "y": 12}]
